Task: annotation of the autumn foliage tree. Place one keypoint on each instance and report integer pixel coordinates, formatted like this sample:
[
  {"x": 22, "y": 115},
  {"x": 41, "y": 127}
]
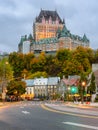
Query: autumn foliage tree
[
  {"x": 64, "y": 62},
  {"x": 17, "y": 61},
  {"x": 6, "y": 71},
  {"x": 16, "y": 88}
]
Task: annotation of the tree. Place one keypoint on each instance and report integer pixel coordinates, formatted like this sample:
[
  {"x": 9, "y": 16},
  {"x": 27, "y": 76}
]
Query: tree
[
  {"x": 17, "y": 61},
  {"x": 81, "y": 55},
  {"x": 52, "y": 67},
  {"x": 16, "y": 88},
  {"x": 72, "y": 67},
  {"x": 37, "y": 74},
  {"x": 90, "y": 56},
  {"x": 63, "y": 54},
  {"x": 96, "y": 56},
  {"x": 27, "y": 58},
  {"x": 92, "y": 87},
  {"x": 6, "y": 72},
  {"x": 82, "y": 84}
]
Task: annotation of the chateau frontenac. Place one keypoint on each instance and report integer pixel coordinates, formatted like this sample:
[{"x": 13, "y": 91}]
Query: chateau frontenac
[{"x": 50, "y": 34}]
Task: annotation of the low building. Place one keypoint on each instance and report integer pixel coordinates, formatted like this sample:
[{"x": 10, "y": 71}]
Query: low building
[
  {"x": 40, "y": 87},
  {"x": 95, "y": 70},
  {"x": 53, "y": 85},
  {"x": 67, "y": 83},
  {"x": 29, "y": 89}
]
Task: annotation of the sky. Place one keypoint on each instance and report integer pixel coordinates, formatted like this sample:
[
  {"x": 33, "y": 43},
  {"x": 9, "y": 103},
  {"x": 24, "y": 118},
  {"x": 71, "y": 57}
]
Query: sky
[{"x": 17, "y": 17}]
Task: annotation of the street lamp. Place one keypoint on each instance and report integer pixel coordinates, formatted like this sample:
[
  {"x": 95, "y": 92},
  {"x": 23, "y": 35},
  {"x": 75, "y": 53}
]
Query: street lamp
[{"x": 82, "y": 96}]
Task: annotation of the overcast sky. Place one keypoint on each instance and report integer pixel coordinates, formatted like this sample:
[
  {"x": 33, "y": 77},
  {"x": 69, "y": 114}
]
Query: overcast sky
[{"x": 17, "y": 17}]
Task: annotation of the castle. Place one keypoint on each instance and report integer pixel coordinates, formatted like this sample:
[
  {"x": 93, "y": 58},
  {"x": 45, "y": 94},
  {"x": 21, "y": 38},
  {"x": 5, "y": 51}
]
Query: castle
[{"x": 49, "y": 35}]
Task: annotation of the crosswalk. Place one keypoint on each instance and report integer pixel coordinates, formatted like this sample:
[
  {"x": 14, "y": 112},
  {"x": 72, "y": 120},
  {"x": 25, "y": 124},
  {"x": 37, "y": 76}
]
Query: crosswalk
[
  {"x": 23, "y": 104},
  {"x": 37, "y": 103}
]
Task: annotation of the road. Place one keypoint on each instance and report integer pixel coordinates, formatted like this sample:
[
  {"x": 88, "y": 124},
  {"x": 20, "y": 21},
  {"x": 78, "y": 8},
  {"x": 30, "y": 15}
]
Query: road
[{"x": 32, "y": 116}]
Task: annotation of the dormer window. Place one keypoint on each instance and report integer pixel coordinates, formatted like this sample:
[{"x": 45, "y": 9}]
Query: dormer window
[
  {"x": 50, "y": 20},
  {"x": 57, "y": 20},
  {"x": 43, "y": 20}
]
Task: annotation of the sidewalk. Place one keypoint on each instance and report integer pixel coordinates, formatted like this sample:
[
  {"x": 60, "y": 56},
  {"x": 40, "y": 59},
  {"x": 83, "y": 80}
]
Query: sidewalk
[
  {"x": 4, "y": 104},
  {"x": 85, "y": 104},
  {"x": 83, "y": 109}
]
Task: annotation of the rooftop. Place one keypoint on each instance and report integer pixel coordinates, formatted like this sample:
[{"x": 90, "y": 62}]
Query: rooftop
[{"x": 47, "y": 14}]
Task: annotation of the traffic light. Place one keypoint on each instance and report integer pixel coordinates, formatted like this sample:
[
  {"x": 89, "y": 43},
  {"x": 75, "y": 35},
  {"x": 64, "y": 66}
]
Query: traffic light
[{"x": 74, "y": 89}]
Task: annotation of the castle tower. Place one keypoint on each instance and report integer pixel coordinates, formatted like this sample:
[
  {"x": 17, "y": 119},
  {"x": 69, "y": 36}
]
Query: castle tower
[{"x": 46, "y": 24}]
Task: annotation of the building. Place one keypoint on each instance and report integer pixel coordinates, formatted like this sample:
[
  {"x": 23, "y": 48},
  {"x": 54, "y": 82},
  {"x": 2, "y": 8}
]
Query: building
[
  {"x": 25, "y": 43},
  {"x": 95, "y": 70},
  {"x": 53, "y": 86},
  {"x": 63, "y": 39},
  {"x": 50, "y": 35},
  {"x": 29, "y": 89},
  {"x": 69, "y": 86},
  {"x": 41, "y": 87},
  {"x": 26, "y": 47},
  {"x": 47, "y": 24}
]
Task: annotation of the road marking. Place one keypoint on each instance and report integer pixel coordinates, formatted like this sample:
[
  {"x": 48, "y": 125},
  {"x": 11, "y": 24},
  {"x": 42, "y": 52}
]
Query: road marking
[
  {"x": 68, "y": 113},
  {"x": 25, "y": 112},
  {"x": 81, "y": 125}
]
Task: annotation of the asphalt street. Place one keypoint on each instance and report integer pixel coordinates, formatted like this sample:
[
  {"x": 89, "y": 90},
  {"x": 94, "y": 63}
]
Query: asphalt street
[{"x": 32, "y": 116}]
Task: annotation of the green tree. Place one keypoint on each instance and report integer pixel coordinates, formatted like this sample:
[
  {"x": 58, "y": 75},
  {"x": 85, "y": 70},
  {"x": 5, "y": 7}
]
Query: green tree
[
  {"x": 72, "y": 67},
  {"x": 27, "y": 58},
  {"x": 51, "y": 67},
  {"x": 96, "y": 56},
  {"x": 81, "y": 55},
  {"x": 6, "y": 72},
  {"x": 90, "y": 55},
  {"x": 82, "y": 84},
  {"x": 16, "y": 88},
  {"x": 63, "y": 54},
  {"x": 92, "y": 87},
  {"x": 38, "y": 63},
  {"x": 37, "y": 75},
  {"x": 17, "y": 61}
]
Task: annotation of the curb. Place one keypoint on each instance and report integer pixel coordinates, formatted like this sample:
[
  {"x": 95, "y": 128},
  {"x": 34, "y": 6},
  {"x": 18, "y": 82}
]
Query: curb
[{"x": 51, "y": 109}]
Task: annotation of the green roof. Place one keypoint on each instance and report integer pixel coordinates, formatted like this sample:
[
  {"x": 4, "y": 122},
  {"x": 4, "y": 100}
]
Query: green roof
[
  {"x": 85, "y": 38},
  {"x": 60, "y": 33},
  {"x": 48, "y": 40},
  {"x": 66, "y": 33}
]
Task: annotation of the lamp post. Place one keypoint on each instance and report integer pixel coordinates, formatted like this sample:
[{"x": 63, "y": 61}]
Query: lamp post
[{"x": 82, "y": 96}]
